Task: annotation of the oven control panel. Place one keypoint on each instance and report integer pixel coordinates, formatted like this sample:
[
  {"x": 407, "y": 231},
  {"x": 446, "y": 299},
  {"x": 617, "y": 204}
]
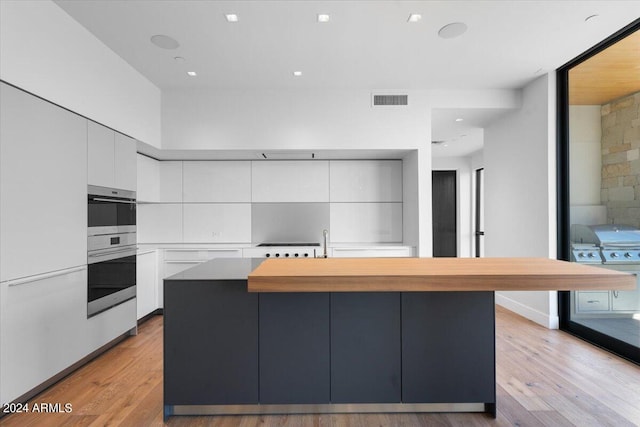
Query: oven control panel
[
  {"x": 621, "y": 255},
  {"x": 582, "y": 255}
]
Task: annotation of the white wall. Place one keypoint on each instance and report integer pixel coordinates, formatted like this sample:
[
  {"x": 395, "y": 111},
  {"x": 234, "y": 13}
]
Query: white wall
[
  {"x": 287, "y": 119},
  {"x": 464, "y": 174},
  {"x": 520, "y": 211},
  {"x": 45, "y": 52},
  {"x": 585, "y": 132}
]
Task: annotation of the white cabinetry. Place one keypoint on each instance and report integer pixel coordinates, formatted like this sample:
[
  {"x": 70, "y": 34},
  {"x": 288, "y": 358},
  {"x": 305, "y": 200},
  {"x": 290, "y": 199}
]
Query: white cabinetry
[
  {"x": 101, "y": 155},
  {"x": 159, "y": 223},
  {"x": 373, "y": 252},
  {"x": 148, "y": 179},
  {"x": 366, "y": 222},
  {"x": 217, "y": 223},
  {"x": 366, "y": 180},
  {"x": 290, "y": 181},
  {"x": 125, "y": 162},
  {"x": 111, "y": 158},
  {"x": 42, "y": 328},
  {"x": 43, "y": 191},
  {"x": 146, "y": 283},
  {"x": 170, "y": 182},
  {"x": 159, "y": 181},
  {"x": 217, "y": 181}
]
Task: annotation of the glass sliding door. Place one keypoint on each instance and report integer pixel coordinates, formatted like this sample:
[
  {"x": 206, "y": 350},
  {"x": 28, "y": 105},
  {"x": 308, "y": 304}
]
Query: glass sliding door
[{"x": 599, "y": 187}]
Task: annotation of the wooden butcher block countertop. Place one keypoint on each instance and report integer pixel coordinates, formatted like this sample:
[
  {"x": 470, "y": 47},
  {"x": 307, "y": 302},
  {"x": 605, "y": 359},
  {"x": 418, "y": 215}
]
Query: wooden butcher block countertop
[{"x": 432, "y": 274}]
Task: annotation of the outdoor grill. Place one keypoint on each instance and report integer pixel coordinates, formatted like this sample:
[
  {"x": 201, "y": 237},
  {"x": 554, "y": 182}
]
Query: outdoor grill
[{"x": 605, "y": 244}]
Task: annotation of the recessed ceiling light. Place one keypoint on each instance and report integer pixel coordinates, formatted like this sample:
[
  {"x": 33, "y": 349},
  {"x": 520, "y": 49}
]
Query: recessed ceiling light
[
  {"x": 231, "y": 17},
  {"x": 297, "y": 73},
  {"x": 414, "y": 17},
  {"x": 591, "y": 17},
  {"x": 179, "y": 59},
  {"x": 323, "y": 17},
  {"x": 455, "y": 29},
  {"x": 164, "y": 42},
  {"x": 192, "y": 73},
  {"x": 459, "y": 119}
]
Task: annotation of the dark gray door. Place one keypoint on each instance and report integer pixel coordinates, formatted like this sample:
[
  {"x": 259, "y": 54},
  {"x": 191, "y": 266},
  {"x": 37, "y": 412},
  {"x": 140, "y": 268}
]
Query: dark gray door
[
  {"x": 445, "y": 231},
  {"x": 365, "y": 347},
  {"x": 211, "y": 343},
  {"x": 294, "y": 348},
  {"x": 448, "y": 349}
]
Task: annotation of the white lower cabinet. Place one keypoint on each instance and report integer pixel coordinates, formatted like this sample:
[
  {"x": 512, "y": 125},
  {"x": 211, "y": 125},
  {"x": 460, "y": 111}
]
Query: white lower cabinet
[
  {"x": 373, "y": 252},
  {"x": 146, "y": 283},
  {"x": 177, "y": 260},
  {"x": 42, "y": 328}
]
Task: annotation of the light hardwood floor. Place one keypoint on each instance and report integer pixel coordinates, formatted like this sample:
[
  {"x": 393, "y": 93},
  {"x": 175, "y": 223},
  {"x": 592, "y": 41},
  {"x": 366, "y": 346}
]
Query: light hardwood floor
[{"x": 545, "y": 378}]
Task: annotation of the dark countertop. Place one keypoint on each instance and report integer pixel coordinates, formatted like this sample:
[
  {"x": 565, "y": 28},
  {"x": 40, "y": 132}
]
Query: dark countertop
[{"x": 219, "y": 269}]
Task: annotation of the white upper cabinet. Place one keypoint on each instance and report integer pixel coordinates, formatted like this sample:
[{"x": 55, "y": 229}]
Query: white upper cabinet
[
  {"x": 101, "y": 155},
  {"x": 148, "y": 177},
  {"x": 366, "y": 180},
  {"x": 125, "y": 162},
  {"x": 217, "y": 181},
  {"x": 290, "y": 181},
  {"x": 43, "y": 186},
  {"x": 111, "y": 158},
  {"x": 159, "y": 181},
  {"x": 170, "y": 182}
]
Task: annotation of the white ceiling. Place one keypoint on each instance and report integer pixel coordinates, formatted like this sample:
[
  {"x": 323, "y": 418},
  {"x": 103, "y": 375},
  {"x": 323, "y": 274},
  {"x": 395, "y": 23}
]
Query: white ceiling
[{"x": 366, "y": 45}]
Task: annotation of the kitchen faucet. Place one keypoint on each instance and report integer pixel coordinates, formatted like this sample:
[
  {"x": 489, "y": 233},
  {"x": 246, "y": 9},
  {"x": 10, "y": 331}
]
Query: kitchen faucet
[{"x": 325, "y": 233}]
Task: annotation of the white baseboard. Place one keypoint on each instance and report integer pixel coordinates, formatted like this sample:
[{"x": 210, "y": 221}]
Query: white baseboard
[{"x": 544, "y": 319}]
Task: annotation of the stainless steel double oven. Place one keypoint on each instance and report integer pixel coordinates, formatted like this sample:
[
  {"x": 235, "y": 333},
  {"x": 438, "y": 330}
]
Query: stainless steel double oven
[{"x": 111, "y": 248}]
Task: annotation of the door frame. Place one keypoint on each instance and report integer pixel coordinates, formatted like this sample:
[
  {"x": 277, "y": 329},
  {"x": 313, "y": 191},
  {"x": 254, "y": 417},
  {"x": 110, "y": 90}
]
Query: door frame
[{"x": 563, "y": 199}]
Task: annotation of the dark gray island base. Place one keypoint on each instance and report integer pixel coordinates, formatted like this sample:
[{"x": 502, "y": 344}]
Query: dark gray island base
[{"x": 228, "y": 351}]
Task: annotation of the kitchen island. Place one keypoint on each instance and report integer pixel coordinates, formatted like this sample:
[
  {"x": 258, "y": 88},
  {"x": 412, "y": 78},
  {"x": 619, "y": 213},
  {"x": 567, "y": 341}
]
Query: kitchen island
[{"x": 245, "y": 336}]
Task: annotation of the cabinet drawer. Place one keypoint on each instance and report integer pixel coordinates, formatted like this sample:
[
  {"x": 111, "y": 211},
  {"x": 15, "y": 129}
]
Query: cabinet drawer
[
  {"x": 182, "y": 255},
  {"x": 592, "y": 301},
  {"x": 43, "y": 321},
  {"x": 372, "y": 252},
  {"x": 200, "y": 254}
]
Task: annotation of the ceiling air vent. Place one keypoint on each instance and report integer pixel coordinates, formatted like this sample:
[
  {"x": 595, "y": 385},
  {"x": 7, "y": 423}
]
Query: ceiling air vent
[{"x": 390, "y": 100}]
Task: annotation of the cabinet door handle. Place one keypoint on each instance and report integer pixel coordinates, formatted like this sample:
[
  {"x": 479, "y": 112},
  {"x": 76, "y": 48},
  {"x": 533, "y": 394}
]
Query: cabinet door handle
[{"x": 39, "y": 277}]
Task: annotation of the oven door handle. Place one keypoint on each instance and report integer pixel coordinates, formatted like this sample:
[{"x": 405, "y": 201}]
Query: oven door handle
[
  {"x": 109, "y": 255},
  {"x": 102, "y": 199}
]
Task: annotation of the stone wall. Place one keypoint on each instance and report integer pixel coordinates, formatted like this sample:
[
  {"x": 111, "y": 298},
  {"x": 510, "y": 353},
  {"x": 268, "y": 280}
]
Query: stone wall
[{"x": 621, "y": 160}]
